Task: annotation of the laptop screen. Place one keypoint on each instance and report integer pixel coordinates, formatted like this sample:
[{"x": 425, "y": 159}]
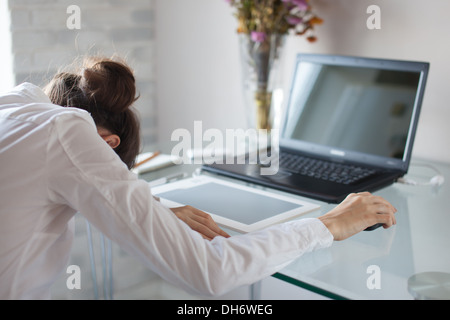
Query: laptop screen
[{"x": 355, "y": 108}]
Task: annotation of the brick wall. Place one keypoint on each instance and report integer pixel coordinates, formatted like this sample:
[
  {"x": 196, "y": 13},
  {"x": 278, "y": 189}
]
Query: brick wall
[{"x": 42, "y": 42}]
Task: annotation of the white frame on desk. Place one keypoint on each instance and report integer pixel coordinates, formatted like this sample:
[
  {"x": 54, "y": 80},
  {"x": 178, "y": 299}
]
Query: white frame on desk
[{"x": 304, "y": 206}]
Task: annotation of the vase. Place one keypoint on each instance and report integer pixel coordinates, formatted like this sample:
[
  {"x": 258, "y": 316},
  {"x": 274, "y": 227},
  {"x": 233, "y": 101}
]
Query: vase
[{"x": 261, "y": 88}]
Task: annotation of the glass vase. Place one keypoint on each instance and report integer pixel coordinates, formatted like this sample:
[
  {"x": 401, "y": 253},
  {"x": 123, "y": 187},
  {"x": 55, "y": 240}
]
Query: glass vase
[{"x": 260, "y": 74}]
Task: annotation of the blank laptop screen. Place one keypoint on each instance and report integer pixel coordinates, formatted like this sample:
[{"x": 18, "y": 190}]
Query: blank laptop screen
[{"x": 360, "y": 109}]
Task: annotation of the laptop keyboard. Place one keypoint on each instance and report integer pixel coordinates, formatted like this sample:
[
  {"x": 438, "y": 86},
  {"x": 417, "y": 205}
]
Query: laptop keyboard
[{"x": 325, "y": 170}]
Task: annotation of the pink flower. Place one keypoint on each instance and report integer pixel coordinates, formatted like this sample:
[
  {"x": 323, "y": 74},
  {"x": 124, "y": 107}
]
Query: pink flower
[
  {"x": 294, "y": 20},
  {"x": 301, "y": 4},
  {"x": 258, "y": 36}
]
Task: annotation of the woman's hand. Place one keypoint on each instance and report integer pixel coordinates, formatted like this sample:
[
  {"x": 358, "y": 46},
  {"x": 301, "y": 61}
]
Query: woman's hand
[
  {"x": 357, "y": 212},
  {"x": 199, "y": 221}
]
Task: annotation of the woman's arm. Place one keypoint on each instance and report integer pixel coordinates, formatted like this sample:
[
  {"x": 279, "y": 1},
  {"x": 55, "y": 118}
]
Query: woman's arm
[
  {"x": 199, "y": 221},
  {"x": 85, "y": 174}
]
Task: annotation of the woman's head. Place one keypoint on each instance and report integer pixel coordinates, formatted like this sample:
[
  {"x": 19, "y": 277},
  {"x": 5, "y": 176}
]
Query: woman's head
[{"x": 106, "y": 89}]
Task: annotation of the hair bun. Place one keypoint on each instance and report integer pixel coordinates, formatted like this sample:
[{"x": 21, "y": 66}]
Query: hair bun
[{"x": 110, "y": 85}]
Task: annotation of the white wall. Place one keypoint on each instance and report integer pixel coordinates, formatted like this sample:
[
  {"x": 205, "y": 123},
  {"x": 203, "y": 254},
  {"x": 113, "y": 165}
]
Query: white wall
[
  {"x": 198, "y": 75},
  {"x": 6, "y": 80}
]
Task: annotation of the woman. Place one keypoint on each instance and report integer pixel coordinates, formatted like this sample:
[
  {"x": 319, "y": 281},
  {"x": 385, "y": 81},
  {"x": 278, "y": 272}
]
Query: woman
[{"x": 69, "y": 149}]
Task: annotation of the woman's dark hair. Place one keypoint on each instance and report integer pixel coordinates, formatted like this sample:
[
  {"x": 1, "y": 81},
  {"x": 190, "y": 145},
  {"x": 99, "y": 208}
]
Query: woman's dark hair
[{"x": 106, "y": 89}]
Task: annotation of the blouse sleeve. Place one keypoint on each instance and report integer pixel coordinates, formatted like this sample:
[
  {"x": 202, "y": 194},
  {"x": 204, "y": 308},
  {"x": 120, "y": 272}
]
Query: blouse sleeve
[{"x": 86, "y": 174}]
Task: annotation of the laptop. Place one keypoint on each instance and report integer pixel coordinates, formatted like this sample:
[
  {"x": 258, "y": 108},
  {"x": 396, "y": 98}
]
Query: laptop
[{"x": 348, "y": 126}]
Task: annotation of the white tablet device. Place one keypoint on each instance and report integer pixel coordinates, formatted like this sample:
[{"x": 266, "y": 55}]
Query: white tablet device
[{"x": 232, "y": 205}]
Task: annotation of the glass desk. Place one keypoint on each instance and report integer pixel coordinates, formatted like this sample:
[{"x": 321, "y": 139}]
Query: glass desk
[{"x": 376, "y": 264}]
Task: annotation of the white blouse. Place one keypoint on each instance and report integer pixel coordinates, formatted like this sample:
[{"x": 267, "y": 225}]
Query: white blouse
[{"x": 54, "y": 164}]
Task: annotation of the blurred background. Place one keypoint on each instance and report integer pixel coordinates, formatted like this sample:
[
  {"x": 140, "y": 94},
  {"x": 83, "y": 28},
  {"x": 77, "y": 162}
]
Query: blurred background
[{"x": 186, "y": 58}]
